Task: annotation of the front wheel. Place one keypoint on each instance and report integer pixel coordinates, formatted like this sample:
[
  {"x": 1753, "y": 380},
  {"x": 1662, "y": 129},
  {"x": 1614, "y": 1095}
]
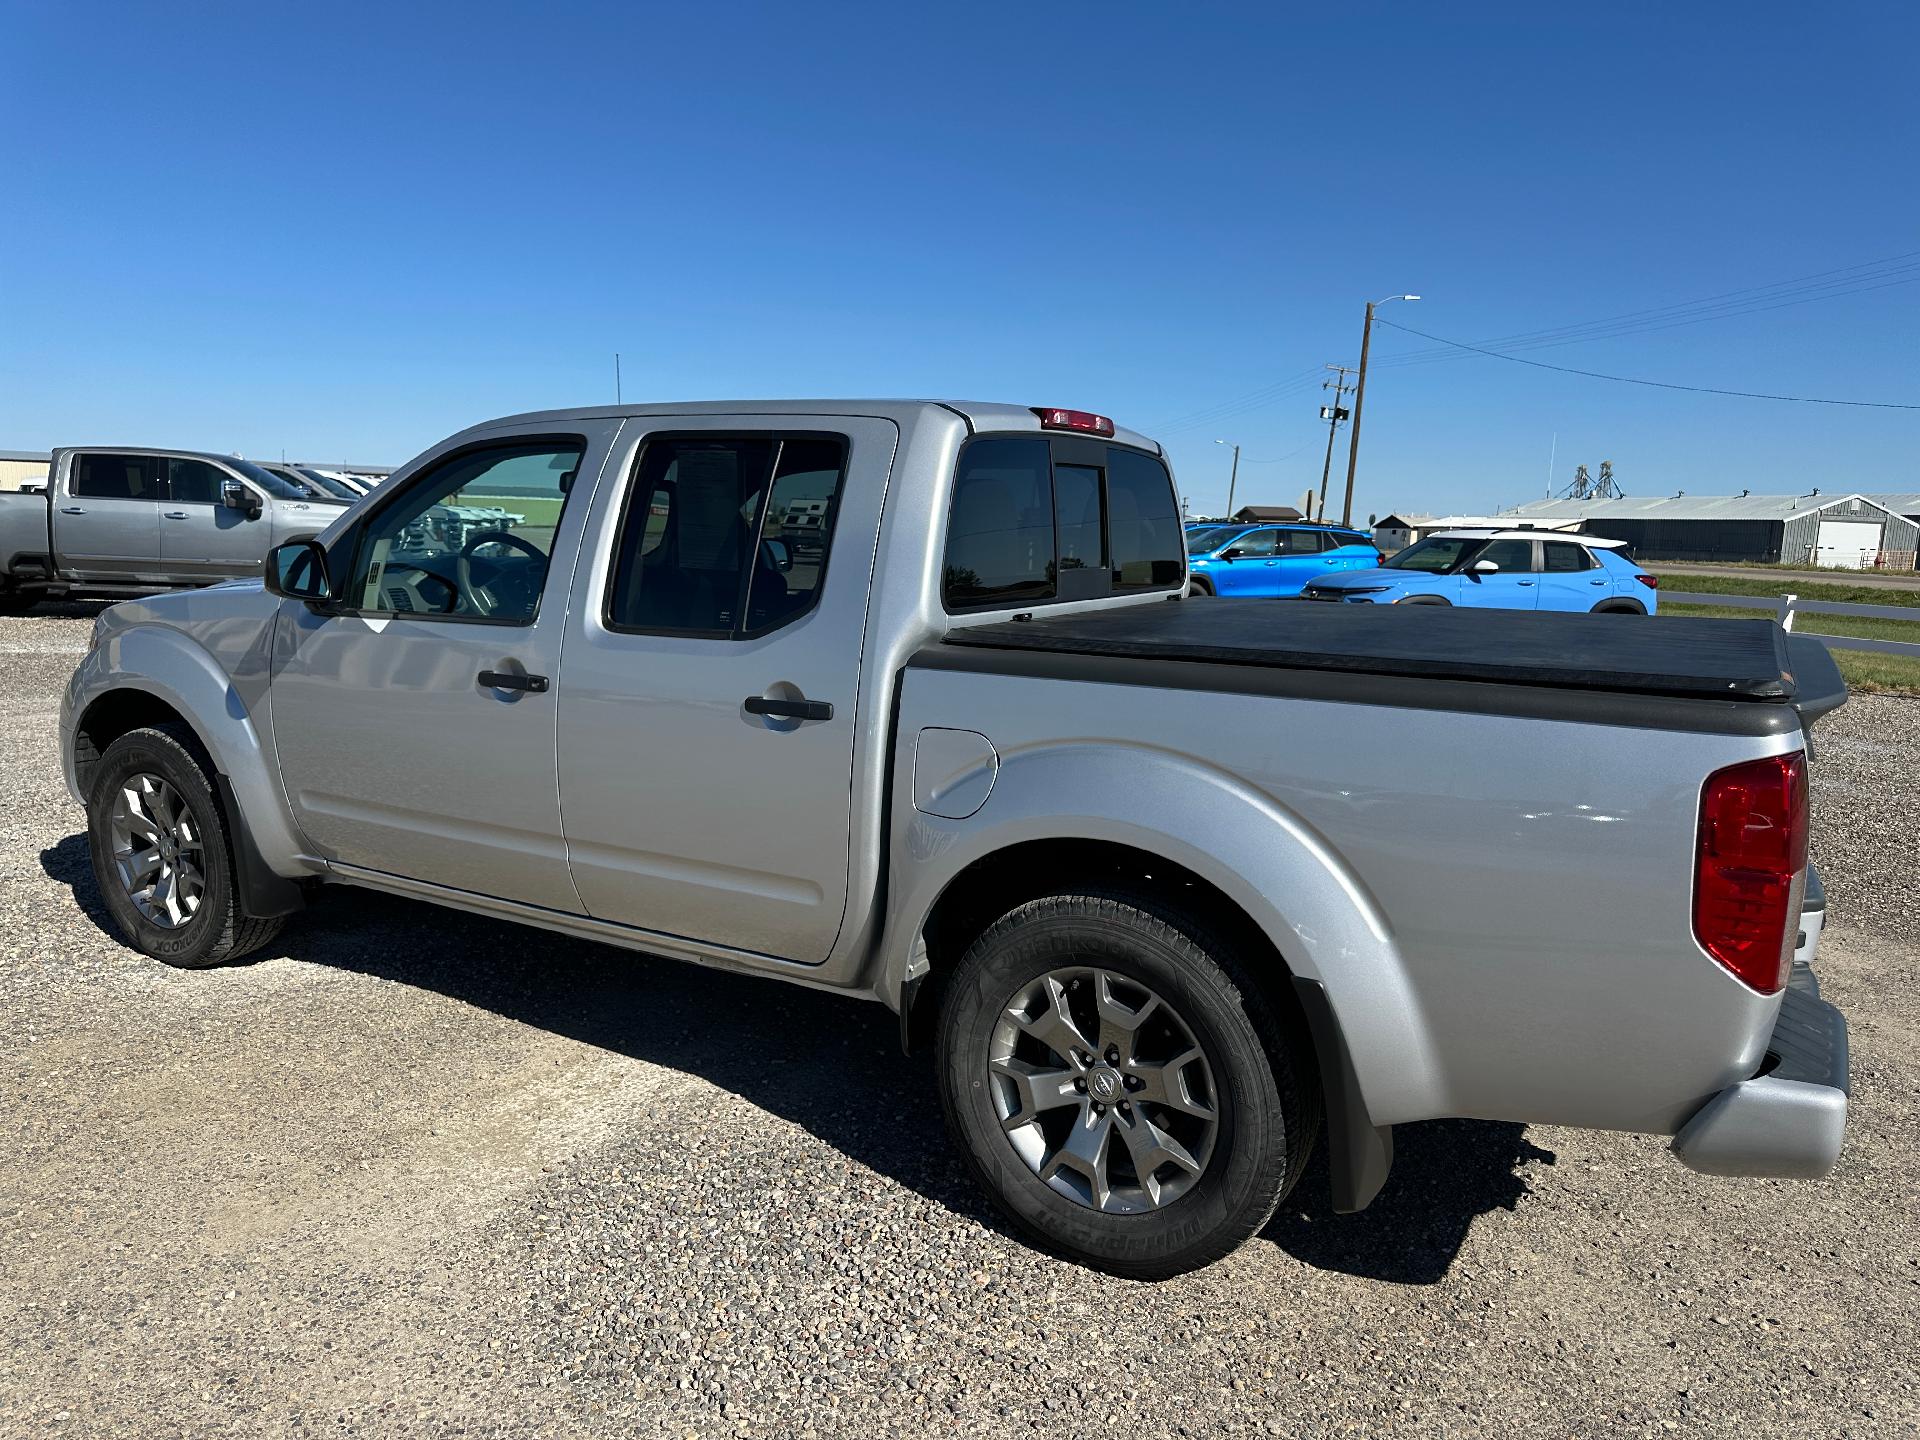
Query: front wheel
[
  {"x": 1118, "y": 1085},
  {"x": 161, "y": 854}
]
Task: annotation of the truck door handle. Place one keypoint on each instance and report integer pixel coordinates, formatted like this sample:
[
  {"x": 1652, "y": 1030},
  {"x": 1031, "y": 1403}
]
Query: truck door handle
[
  {"x": 506, "y": 680},
  {"x": 176, "y": 514},
  {"x": 73, "y": 510},
  {"x": 789, "y": 709}
]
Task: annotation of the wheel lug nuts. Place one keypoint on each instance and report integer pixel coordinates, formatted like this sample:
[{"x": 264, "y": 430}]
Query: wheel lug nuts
[
  {"x": 1113, "y": 1054},
  {"x": 1080, "y": 1085},
  {"x": 1098, "y": 1108}
]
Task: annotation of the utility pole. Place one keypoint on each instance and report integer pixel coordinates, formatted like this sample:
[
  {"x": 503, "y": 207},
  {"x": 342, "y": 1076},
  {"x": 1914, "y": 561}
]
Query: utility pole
[
  {"x": 1333, "y": 414},
  {"x": 1359, "y": 399},
  {"x": 1234, "y": 479},
  {"x": 616, "y": 378}
]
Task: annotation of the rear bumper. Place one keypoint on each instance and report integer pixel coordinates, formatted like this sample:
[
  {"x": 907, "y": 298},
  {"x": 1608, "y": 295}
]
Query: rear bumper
[{"x": 1788, "y": 1121}]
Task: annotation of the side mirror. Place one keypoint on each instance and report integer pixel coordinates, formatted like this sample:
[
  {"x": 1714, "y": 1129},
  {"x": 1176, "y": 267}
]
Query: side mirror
[
  {"x": 297, "y": 570},
  {"x": 779, "y": 555},
  {"x": 235, "y": 496},
  {"x": 1232, "y": 555},
  {"x": 1485, "y": 567}
]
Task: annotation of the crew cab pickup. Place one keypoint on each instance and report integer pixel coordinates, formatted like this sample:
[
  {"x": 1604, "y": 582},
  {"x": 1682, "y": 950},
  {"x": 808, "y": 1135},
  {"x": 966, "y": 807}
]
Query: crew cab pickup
[
  {"x": 906, "y": 700},
  {"x": 128, "y": 521}
]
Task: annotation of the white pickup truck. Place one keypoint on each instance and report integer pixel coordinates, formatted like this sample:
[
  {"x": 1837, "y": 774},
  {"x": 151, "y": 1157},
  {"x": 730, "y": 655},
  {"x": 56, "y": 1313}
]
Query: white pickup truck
[{"x": 904, "y": 699}]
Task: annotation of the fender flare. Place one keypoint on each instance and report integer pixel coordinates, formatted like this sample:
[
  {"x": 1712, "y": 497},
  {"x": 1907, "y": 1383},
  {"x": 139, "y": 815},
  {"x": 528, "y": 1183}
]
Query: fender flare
[
  {"x": 166, "y": 664},
  {"x": 1262, "y": 856}
]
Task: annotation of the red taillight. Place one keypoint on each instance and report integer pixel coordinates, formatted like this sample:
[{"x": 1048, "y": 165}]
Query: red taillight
[
  {"x": 1652, "y": 582},
  {"x": 1084, "y": 420},
  {"x": 1751, "y": 850}
]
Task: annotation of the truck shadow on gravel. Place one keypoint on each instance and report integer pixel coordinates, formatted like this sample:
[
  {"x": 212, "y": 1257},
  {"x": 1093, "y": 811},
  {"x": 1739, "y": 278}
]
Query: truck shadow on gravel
[{"x": 807, "y": 1057}]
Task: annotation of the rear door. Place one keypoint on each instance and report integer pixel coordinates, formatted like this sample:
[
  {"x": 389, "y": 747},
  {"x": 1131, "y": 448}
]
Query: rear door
[
  {"x": 201, "y": 539},
  {"x": 1514, "y": 586},
  {"x": 712, "y": 674},
  {"x": 106, "y": 524},
  {"x": 1570, "y": 578}
]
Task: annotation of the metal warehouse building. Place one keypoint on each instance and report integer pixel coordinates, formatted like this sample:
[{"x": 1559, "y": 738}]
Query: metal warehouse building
[
  {"x": 19, "y": 465},
  {"x": 1813, "y": 529}
]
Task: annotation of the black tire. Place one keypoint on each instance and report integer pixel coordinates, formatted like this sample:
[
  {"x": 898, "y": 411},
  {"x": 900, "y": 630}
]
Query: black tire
[
  {"x": 219, "y": 931},
  {"x": 1425, "y": 600},
  {"x": 1266, "y": 1102},
  {"x": 1617, "y": 607},
  {"x": 1199, "y": 588},
  {"x": 18, "y": 602}
]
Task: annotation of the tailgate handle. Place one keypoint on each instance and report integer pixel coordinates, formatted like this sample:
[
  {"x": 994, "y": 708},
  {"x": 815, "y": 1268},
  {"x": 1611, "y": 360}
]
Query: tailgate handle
[
  {"x": 789, "y": 709},
  {"x": 506, "y": 680}
]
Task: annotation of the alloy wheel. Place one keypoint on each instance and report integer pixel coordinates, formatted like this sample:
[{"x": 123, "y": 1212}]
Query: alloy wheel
[
  {"x": 158, "y": 851},
  {"x": 1103, "y": 1090}
]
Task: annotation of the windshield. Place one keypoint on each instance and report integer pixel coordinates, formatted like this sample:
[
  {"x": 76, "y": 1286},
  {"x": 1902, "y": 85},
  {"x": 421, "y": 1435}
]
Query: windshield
[
  {"x": 1211, "y": 537},
  {"x": 1437, "y": 554},
  {"x": 268, "y": 481},
  {"x": 331, "y": 485}
]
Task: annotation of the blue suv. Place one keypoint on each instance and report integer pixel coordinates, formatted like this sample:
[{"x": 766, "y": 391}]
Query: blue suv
[
  {"x": 1502, "y": 569},
  {"x": 1266, "y": 560}
]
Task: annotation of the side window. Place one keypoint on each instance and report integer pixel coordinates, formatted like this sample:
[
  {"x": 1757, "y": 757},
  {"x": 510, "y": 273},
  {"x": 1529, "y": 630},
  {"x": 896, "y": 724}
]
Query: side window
[
  {"x": 726, "y": 535},
  {"x": 1256, "y": 543},
  {"x": 1299, "y": 542},
  {"x": 470, "y": 538},
  {"x": 1143, "y": 522},
  {"x": 116, "y": 477},
  {"x": 1000, "y": 531},
  {"x": 1512, "y": 556},
  {"x": 193, "y": 482},
  {"x": 1563, "y": 557}
]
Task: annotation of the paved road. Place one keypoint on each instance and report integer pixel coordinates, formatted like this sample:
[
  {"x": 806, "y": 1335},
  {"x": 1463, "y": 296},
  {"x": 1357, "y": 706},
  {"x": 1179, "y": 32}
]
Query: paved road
[
  {"x": 1884, "y": 579},
  {"x": 414, "y": 1174}
]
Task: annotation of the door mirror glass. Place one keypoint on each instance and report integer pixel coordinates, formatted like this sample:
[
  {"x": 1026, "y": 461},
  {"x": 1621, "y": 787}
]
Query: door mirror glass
[
  {"x": 779, "y": 555},
  {"x": 298, "y": 571},
  {"x": 1486, "y": 567},
  {"x": 1233, "y": 554}
]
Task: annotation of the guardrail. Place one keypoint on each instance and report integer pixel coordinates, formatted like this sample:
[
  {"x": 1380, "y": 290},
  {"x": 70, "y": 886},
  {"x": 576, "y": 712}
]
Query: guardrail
[{"x": 1786, "y": 607}]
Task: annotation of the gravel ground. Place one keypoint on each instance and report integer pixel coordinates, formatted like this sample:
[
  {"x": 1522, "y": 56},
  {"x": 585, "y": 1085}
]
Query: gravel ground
[{"x": 398, "y": 1178}]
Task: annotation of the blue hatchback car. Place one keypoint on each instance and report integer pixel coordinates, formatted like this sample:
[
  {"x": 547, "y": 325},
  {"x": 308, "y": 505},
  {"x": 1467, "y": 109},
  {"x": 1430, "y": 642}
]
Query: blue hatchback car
[
  {"x": 1269, "y": 560},
  {"x": 1504, "y": 570}
]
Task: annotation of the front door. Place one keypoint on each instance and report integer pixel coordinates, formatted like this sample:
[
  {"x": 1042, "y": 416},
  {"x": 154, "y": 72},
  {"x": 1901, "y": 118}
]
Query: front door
[
  {"x": 707, "y": 714},
  {"x": 1514, "y": 586},
  {"x": 201, "y": 539},
  {"x": 415, "y": 726},
  {"x": 1252, "y": 568},
  {"x": 108, "y": 527}
]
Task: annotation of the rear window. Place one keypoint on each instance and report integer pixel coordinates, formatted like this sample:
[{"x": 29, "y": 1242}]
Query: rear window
[
  {"x": 1036, "y": 520},
  {"x": 1564, "y": 556}
]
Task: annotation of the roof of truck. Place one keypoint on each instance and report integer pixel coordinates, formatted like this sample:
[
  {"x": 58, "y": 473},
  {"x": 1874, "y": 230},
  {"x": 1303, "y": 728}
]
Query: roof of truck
[{"x": 979, "y": 414}]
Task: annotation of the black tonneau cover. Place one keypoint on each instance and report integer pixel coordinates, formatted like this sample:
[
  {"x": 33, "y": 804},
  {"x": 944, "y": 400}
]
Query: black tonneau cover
[{"x": 1680, "y": 656}]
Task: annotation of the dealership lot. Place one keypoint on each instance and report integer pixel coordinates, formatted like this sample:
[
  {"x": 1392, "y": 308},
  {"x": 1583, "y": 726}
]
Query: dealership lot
[{"x": 416, "y": 1173}]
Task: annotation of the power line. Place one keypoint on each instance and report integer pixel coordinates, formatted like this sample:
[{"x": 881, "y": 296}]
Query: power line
[
  {"x": 1855, "y": 279},
  {"x": 1656, "y": 384}
]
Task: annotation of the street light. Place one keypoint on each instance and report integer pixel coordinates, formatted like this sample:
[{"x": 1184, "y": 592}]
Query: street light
[
  {"x": 1233, "y": 479},
  {"x": 1359, "y": 399}
]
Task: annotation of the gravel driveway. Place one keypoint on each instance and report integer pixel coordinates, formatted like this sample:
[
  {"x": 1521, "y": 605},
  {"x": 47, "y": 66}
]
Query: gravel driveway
[{"x": 415, "y": 1174}]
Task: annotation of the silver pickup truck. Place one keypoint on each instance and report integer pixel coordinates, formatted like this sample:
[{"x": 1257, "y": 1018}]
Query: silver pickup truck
[
  {"x": 120, "y": 521},
  {"x": 904, "y": 699}
]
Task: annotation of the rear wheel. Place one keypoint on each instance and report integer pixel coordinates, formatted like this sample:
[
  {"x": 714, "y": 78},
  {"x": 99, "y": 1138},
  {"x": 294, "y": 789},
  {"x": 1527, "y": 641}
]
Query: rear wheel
[
  {"x": 1618, "y": 607},
  {"x": 18, "y": 602},
  {"x": 161, "y": 853},
  {"x": 1198, "y": 587},
  {"x": 1119, "y": 1087}
]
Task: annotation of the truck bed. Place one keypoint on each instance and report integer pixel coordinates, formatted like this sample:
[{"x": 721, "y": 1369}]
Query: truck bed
[{"x": 1745, "y": 660}]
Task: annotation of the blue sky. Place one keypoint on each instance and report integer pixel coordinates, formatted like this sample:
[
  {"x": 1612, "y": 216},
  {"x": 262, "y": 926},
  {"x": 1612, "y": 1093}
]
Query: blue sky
[{"x": 345, "y": 231}]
